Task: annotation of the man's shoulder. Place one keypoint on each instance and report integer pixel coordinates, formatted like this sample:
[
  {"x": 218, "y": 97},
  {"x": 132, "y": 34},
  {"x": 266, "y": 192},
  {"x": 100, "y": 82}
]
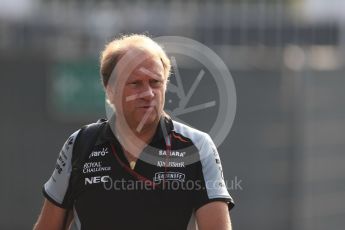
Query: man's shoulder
[
  {"x": 195, "y": 135},
  {"x": 85, "y": 134},
  {"x": 90, "y": 127}
]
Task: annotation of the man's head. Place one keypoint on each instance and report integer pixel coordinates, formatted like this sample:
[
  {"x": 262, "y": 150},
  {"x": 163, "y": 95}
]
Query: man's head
[{"x": 135, "y": 71}]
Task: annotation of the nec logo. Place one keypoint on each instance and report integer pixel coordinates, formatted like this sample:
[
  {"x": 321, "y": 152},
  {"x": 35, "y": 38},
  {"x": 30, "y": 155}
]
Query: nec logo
[{"x": 96, "y": 180}]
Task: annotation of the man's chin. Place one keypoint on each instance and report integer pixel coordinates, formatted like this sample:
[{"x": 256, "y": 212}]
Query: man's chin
[
  {"x": 142, "y": 121},
  {"x": 147, "y": 121}
]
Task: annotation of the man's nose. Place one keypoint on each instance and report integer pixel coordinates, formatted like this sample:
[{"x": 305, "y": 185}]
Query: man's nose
[{"x": 147, "y": 93}]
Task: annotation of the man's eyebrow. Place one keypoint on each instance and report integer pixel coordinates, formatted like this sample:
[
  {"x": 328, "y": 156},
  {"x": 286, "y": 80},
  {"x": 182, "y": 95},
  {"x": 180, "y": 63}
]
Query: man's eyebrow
[{"x": 149, "y": 73}]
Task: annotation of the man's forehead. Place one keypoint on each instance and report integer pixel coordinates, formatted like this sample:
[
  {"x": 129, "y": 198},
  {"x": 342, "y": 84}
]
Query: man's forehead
[
  {"x": 137, "y": 62},
  {"x": 150, "y": 67},
  {"x": 150, "y": 72}
]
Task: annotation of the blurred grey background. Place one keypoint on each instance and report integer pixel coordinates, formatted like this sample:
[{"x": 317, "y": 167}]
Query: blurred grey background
[{"x": 287, "y": 61}]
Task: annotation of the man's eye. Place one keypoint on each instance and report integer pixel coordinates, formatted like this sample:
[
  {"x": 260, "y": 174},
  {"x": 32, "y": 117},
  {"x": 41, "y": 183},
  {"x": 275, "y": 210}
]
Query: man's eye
[
  {"x": 134, "y": 83},
  {"x": 156, "y": 82}
]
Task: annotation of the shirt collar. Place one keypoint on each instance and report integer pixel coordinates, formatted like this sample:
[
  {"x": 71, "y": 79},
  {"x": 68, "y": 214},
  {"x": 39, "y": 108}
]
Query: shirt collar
[{"x": 164, "y": 128}]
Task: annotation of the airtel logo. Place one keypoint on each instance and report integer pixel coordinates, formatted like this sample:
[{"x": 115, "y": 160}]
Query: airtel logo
[{"x": 96, "y": 180}]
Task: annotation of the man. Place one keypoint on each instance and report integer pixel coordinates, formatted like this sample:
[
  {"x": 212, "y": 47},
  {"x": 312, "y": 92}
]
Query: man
[{"x": 145, "y": 171}]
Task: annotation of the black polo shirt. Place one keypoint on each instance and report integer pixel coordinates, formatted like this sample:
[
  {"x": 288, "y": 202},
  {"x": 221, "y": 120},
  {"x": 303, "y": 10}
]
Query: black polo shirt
[{"x": 177, "y": 173}]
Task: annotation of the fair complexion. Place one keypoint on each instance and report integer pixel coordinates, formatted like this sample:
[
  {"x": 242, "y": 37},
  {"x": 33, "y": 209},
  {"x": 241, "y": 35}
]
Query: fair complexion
[
  {"x": 53, "y": 217},
  {"x": 138, "y": 95},
  {"x": 214, "y": 215}
]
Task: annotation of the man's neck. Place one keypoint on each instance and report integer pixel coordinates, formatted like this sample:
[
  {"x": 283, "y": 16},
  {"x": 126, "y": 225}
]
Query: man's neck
[
  {"x": 145, "y": 134},
  {"x": 131, "y": 139}
]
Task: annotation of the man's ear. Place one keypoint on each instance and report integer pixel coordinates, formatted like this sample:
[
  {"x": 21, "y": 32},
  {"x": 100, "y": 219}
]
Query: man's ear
[{"x": 110, "y": 92}]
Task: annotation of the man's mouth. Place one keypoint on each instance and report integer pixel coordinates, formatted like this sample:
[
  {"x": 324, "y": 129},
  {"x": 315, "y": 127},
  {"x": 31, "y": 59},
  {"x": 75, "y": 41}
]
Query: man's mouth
[{"x": 146, "y": 107}]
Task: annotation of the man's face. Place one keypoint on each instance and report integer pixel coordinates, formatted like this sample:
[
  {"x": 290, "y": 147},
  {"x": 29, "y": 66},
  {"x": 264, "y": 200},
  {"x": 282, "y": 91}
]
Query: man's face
[{"x": 140, "y": 92}]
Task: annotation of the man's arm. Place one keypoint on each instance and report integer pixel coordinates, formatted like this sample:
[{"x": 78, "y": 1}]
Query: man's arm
[
  {"x": 53, "y": 217},
  {"x": 214, "y": 215}
]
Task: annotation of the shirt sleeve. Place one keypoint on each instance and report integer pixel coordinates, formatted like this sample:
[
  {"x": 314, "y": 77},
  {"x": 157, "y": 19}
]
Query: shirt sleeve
[
  {"x": 56, "y": 188},
  {"x": 211, "y": 176}
]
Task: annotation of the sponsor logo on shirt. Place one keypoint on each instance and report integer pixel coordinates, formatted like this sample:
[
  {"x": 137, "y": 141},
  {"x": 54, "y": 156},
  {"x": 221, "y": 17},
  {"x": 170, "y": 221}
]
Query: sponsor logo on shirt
[
  {"x": 172, "y": 153},
  {"x": 69, "y": 142},
  {"x": 170, "y": 164},
  {"x": 61, "y": 162},
  {"x": 100, "y": 153},
  {"x": 63, "y": 154},
  {"x": 159, "y": 176},
  {"x": 91, "y": 167},
  {"x": 96, "y": 180},
  {"x": 58, "y": 168}
]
